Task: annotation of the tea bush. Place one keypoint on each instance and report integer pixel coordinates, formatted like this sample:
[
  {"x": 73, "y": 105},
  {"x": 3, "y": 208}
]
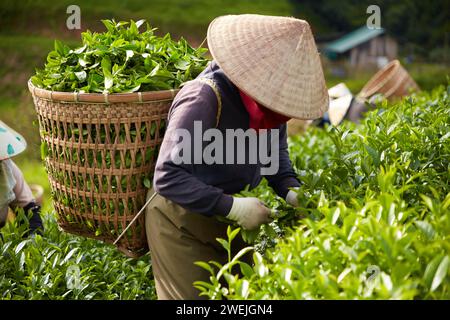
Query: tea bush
[
  {"x": 374, "y": 216},
  {"x": 57, "y": 265}
]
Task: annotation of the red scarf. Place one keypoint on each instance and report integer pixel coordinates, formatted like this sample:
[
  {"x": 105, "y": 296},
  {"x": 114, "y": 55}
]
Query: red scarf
[{"x": 261, "y": 117}]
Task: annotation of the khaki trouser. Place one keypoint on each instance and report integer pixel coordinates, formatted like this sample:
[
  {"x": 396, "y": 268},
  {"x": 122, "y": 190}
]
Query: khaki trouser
[{"x": 177, "y": 238}]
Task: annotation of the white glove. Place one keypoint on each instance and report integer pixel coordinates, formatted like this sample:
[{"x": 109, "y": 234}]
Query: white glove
[
  {"x": 291, "y": 198},
  {"x": 249, "y": 213}
]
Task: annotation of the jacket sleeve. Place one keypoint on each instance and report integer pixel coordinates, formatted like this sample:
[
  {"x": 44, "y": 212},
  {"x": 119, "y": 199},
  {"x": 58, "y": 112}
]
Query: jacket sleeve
[
  {"x": 22, "y": 190},
  {"x": 285, "y": 178},
  {"x": 176, "y": 181}
]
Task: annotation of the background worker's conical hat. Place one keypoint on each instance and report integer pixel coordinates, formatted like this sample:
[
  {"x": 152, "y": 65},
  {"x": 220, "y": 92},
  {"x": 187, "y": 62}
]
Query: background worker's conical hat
[
  {"x": 272, "y": 59},
  {"x": 338, "y": 109},
  {"x": 11, "y": 143},
  {"x": 338, "y": 91}
]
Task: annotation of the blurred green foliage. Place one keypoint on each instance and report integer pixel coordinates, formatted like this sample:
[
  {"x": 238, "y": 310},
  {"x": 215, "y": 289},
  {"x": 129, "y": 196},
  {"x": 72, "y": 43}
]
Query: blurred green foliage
[
  {"x": 420, "y": 27},
  {"x": 175, "y": 16}
]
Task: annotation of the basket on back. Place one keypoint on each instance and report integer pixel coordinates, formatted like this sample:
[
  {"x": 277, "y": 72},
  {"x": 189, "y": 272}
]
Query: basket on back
[
  {"x": 99, "y": 152},
  {"x": 392, "y": 81}
]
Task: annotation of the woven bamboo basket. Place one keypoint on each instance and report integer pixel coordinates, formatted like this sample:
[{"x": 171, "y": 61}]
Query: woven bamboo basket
[
  {"x": 392, "y": 81},
  {"x": 98, "y": 152}
]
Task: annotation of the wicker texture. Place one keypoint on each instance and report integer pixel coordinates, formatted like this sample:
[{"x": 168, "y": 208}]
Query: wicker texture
[
  {"x": 97, "y": 158},
  {"x": 392, "y": 81},
  {"x": 272, "y": 59}
]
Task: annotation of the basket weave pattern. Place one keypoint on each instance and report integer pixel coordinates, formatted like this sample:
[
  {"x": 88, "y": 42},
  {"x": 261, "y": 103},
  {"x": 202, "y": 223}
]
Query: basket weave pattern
[{"x": 97, "y": 156}]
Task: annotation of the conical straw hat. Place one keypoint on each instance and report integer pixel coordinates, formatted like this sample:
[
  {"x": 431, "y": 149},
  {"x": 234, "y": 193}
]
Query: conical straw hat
[
  {"x": 338, "y": 109},
  {"x": 11, "y": 143},
  {"x": 272, "y": 59},
  {"x": 338, "y": 91}
]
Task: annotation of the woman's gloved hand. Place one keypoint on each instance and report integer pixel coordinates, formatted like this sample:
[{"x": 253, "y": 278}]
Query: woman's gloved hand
[
  {"x": 249, "y": 213},
  {"x": 35, "y": 221},
  {"x": 291, "y": 198}
]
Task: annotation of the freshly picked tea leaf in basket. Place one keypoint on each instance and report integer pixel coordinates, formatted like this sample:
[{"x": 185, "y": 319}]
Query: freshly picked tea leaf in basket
[{"x": 121, "y": 60}]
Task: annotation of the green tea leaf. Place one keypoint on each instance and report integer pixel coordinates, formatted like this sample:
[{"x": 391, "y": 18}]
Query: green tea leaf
[
  {"x": 106, "y": 68},
  {"x": 81, "y": 75},
  {"x": 426, "y": 228},
  {"x": 147, "y": 183},
  {"x": 441, "y": 273}
]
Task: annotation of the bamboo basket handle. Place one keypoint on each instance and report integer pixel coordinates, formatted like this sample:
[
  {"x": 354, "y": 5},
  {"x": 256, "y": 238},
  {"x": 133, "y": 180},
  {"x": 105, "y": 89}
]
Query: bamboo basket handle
[{"x": 135, "y": 217}]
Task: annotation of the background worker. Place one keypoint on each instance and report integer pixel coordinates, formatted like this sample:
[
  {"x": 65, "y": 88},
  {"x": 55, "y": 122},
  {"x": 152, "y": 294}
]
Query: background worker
[{"x": 14, "y": 190}]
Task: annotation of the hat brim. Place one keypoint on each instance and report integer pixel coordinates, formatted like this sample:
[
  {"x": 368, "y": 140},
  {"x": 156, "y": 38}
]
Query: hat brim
[
  {"x": 338, "y": 91},
  {"x": 338, "y": 109}
]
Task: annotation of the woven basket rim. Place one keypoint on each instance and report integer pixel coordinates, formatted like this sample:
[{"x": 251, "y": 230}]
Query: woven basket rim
[
  {"x": 381, "y": 77},
  {"x": 107, "y": 98}
]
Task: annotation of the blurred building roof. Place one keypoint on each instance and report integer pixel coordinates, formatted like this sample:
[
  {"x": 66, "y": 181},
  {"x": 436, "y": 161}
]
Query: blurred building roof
[{"x": 353, "y": 39}]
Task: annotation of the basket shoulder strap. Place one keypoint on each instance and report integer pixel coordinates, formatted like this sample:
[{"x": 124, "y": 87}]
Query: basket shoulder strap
[{"x": 214, "y": 87}]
